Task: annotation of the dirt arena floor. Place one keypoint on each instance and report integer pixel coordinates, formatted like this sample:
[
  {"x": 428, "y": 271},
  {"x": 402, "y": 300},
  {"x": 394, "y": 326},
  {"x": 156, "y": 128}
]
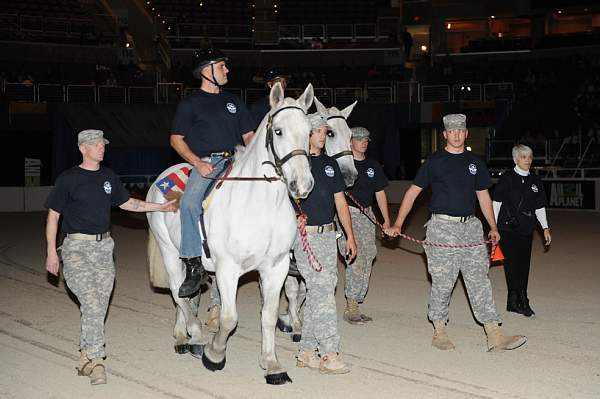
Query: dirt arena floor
[{"x": 391, "y": 357}]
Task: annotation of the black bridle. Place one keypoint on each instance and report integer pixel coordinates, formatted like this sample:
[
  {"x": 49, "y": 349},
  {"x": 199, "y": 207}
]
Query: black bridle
[
  {"x": 341, "y": 153},
  {"x": 269, "y": 143}
]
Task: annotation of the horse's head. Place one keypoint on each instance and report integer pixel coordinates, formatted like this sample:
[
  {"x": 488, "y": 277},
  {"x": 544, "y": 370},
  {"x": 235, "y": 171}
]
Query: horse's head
[
  {"x": 288, "y": 130},
  {"x": 338, "y": 141}
]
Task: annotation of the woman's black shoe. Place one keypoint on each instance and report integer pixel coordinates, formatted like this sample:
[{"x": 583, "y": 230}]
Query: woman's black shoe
[
  {"x": 526, "y": 309},
  {"x": 513, "y": 303}
]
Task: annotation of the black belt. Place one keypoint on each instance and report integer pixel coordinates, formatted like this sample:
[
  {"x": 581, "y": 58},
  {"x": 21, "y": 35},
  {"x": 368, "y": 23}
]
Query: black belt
[{"x": 460, "y": 219}]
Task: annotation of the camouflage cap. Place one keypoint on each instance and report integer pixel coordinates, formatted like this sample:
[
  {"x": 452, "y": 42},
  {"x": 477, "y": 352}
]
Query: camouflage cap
[
  {"x": 455, "y": 122},
  {"x": 316, "y": 121},
  {"x": 90, "y": 136},
  {"x": 360, "y": 132}
]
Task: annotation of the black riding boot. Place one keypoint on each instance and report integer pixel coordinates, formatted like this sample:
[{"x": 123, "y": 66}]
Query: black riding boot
[
  {"x": 513, "y": 302},
  {"x": 527, "y": 311},
  {"x": 195, "y": 276}
]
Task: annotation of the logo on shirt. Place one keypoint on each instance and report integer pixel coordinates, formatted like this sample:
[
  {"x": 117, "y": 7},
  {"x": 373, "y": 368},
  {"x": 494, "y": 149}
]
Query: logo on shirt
[
  {"x": 329, "y": 171},
  {"x": 231, "y": 108},
  {"x": 534, "y": 188},
  {"x": 472, "y": 169},
  {"x": 371, "y": 172},
  {"x": 107, "y": 187}
]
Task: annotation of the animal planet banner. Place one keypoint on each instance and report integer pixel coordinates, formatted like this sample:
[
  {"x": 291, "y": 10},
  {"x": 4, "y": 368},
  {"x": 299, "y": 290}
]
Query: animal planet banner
[{"x": 570, "y": 194}]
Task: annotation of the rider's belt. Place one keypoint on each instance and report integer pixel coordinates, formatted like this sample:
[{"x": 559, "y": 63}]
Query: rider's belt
[
  {"x": 460, "y": 219},
  {"x": 324, "y": 228},
  {"x": 224, "y": 154},
  {"x": 89, "y": 237}
]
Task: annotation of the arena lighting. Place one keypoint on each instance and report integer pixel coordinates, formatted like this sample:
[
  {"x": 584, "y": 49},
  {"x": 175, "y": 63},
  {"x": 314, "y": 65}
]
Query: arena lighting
[
  {"x": 449, "y": 26},
  {"x": 468, "y": 148},
  {"x": 499, "y": 34},
  {"x": 559, "y": 11},
  {"x": 127, "y": 45},
  {"x": 492, "y": 16},
  {"x": 423, "y": 48}
]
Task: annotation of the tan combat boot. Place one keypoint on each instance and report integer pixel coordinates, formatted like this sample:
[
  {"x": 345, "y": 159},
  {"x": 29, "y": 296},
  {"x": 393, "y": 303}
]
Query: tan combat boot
[
  {"x": 352, "y": 314},
  {"x": 98, "y": 372},
  {"x": 85, "y": 365},
  {"x": 440, "y": 337},
  {"x": 212, "y": 321},
  {"x": 497, "y": 341},
  {"x": 308, "y": 359},
  {"x": 331, "y": 364}
]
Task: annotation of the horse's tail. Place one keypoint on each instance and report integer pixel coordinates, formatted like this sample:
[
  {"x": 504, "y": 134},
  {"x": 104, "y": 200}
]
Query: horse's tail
[{"x": 156, "y": 266}]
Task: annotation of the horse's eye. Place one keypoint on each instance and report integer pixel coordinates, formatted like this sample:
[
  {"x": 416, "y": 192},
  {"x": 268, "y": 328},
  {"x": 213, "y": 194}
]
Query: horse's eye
[
  {"x": 278, "y": 132},
  {"x": 330, "y": 133}
]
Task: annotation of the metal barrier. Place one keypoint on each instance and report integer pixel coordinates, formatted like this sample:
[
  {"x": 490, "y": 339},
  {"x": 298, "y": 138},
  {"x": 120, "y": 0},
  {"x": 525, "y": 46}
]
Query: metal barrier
[
  {"x": 81, "y": 94},
  {"x": 50, "y": 93},
  {"x": 435, "y": 93},
  {"x": 290, "y": 32},
  {"x": 406, "y": 92},
  {"x": 365, "y": 32},
  {"x": 325, "y": 95},
  {"x": 340, "y": 31},
  {"x": 495, "y": 91},
  {"x": 378, "y": 95},
  {"x": 20, "y": 92},
  {"x": 310, "y": 31},
  {"x": 169, "y": 93},
  {"x": 347, "y": 95},
  {"x": 253, "y": 95},
  {"x": 141, "y": 95},
  {"x": 112, "y": 95},
  {"x": 466, "y": 92}
]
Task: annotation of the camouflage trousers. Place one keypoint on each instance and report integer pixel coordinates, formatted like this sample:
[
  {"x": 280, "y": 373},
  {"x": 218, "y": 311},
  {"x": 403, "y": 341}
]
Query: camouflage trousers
[
  {"x": 319, "y": 323},
  {"x": 358, "y": 272},
  {"x": 444, "y": 264},
  {"x": 89, "y": 272}
]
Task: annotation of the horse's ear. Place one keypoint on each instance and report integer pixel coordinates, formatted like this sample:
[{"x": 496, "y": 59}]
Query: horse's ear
[
  {"x": 348, "y": 110},
  {"x": 320, "y": 107},
  {"x": 306, "y": 99},
  {"x": 276, "y": 95}
]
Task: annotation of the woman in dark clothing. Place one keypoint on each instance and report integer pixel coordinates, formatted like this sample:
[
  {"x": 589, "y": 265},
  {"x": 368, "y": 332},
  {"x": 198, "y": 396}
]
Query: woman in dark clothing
[{"x": 519, "y": 199}]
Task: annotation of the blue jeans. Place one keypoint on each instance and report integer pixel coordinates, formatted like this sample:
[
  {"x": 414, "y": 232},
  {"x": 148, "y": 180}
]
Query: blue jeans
[{"x": 191, "y": 207}]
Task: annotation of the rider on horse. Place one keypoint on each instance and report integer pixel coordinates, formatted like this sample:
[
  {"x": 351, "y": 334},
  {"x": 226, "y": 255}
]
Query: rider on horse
[{"x": 206, "y": 129}]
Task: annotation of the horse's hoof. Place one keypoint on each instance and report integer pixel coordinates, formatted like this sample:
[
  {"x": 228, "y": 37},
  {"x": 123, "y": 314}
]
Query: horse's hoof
[
  {"x": 296, "y": 337},
  {"x": 196, "y": 350},
  {"x": 278, "y": 379},
  {"x": 182, "y": 349},
  {"x": 283, "y": 327},
  {"x": 210, "y": 365}
]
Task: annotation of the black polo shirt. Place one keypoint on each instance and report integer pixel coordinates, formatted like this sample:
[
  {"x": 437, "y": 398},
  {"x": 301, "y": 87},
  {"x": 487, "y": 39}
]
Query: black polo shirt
[
  {"x": 84, "y": 199},
  {"x": 454, "y": 179},
  {"x": 511, "y": 188},
  {"x": 369, "y": 181},
  {"x": 319, "y": 206},
  {"x": 212, "y": 122},
  {"x": 259, "y": 109}
]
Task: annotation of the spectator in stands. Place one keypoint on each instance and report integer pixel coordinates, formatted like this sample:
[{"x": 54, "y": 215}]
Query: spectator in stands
[
  {"x": 206, "y": 129},
  {"x": 316, "y": 43},
  {"x": 83, "y": 196},
  {"x": 260, "y": 108},
  {"x": 407, "y": 42},
  {"x": 519, "y": 199}
]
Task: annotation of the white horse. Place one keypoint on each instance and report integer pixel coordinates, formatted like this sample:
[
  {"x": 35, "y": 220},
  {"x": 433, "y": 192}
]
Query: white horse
[
  {"x": 251, "y": 225},
  {"x": 337, "y": 146}
]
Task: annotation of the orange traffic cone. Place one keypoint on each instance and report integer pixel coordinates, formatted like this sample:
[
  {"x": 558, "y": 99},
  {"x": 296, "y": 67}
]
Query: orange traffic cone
[{"x": 496, "y": 255}]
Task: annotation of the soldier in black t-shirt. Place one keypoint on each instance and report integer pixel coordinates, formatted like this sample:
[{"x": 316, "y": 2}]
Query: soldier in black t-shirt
[
  {"x": 261, "y": 107},
  {"x": 519, "y": 199},
  {"x": 83, "y": 196},
  {"x": 369, "y": 183},
  {"x": 457, "y": 178},
  {"x": 319, "y": 324},
  {"x": 207, "y": 128}
]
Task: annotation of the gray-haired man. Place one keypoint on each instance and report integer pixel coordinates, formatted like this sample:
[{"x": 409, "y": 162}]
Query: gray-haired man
[{"x": 457, "y": 178}]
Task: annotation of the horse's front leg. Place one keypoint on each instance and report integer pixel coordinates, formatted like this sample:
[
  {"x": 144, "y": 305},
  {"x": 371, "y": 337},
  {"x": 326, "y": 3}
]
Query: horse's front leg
[
  {"x": 227, "y": 281},
  {"x": 186, "y": 323},
  {"x": 271, "y": 283}
]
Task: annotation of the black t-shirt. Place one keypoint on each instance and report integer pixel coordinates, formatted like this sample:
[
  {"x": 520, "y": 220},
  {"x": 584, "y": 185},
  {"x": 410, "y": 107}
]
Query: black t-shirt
[
  {"x": 369, "y": 181},
  {"x": 84, "y": 198},
  {"x": 511, "y": 188},
  {"x": 454, "y": 179},
  {"x": 319, "y": 206},
  {"x": 259, "y": 109},
  {"x": 212, "y": 122}
]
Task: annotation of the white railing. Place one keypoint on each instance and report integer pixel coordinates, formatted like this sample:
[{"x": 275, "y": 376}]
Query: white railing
[
  {"x": 81, "y": 94},
  {"x": 50, "y": 93},
  {"x": 378, "y": 95},
  {"x": 435, "y": 93},
  {"x": 347, "y": 95}
]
